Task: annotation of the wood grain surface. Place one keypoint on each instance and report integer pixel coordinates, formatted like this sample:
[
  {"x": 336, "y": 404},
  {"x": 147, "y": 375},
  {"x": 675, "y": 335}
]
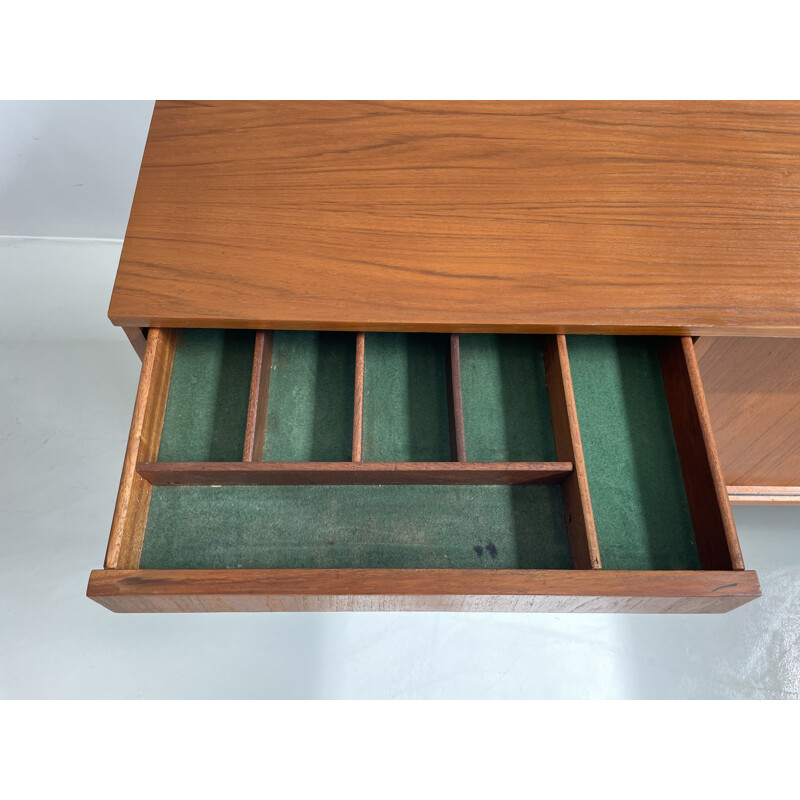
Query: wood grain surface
[
  {"x": 455, "y": 401},
  {"x": 753, "y": 392},
  {"x": 256, "y": 423},
  {"x": 629, "y": 217},
  {"x": 133, "y": 499},
  {"x": 422, "y": 590},
  {"x": 566, "y": 431},
  {"x": 336, "y": 473}
]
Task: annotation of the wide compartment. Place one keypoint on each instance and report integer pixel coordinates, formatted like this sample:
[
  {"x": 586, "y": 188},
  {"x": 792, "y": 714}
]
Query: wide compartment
[
  {"x": 208, "y": 392},
  {"x": 358, "y": 527},
  {"x": 641, "y": 511},
  {"x": 390, "y": 452}
]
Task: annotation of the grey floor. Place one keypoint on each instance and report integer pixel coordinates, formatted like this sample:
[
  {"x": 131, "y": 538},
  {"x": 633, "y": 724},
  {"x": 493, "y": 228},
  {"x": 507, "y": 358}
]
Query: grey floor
[{"x": 66, "y": 396}]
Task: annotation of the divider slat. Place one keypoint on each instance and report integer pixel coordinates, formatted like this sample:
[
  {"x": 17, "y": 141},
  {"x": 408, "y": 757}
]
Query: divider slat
[
  {"x": 358, "y": 400},
  {"x": 706, "y": 492},
  {"x": 577, "y": 501},
  {"x": 458, "y": 450},
  {"x": 331, "y": 473},
  {"x": 259, "y": 397}
]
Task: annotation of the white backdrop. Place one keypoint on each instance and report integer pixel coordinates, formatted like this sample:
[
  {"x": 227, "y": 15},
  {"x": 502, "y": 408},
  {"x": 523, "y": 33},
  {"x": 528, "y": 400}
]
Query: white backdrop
[
  {"x": 67, "y": 385},
  {"x": 69, "y": 168}
]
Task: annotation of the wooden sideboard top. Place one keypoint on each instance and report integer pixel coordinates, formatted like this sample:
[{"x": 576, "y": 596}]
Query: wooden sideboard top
[{"x": 637, "y": 217}]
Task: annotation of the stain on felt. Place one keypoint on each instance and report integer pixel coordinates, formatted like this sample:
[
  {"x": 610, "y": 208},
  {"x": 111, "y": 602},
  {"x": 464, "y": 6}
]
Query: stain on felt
[{"x": 490, "y": 548}]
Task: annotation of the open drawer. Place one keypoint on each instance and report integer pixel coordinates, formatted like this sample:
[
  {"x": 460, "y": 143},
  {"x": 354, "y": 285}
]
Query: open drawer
[{"x": 298, "y": 470}]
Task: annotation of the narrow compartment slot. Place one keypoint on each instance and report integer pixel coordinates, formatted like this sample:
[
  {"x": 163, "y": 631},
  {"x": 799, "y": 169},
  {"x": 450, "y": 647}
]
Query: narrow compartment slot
[
  {"x": 490, "y": 527},
  {"x": 638, "y": 498},
  {"x": 505, "y": 398},
  {"x": 133, "y": 500},
  {"x": 312, "y": 385},
  {"x": 455, "y": 401},
  {"x": 405, "y": 398},
  {"x": 206, "y": 412},
  {"x": 259, "y": 397}
]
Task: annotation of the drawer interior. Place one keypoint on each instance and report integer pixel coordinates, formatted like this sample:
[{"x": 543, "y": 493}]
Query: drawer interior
[
  {"x": 405, "y": 398},
  {"x": 302, "y": 449}
]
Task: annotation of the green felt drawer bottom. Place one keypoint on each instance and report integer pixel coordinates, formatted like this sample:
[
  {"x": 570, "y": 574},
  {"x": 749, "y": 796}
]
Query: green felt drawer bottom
[{"x": 466, "y": 527}]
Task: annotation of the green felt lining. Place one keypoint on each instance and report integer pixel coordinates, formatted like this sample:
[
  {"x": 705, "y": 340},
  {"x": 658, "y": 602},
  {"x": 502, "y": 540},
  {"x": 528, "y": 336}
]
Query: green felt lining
[
  {"x": 405, "y": 397},
  {"x": 261, "y": 527},
  {"x": 505, "y": 399},
  {"x": 635, "y": 481},
  {"x": 310, "y": 404},
  {"x": 206, "y": 408}
]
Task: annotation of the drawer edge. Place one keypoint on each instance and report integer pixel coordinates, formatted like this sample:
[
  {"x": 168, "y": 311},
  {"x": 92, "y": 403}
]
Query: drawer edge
[
  {"x": 555, "y": 591},
  {"x": 764, "y": 495}
]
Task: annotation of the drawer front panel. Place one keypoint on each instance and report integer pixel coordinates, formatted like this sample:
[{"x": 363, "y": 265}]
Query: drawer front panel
[{"x": 423, "y": 590}]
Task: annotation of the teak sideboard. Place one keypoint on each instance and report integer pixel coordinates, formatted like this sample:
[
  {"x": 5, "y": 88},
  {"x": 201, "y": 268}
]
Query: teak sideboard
[{"x": 456, "y": 355}]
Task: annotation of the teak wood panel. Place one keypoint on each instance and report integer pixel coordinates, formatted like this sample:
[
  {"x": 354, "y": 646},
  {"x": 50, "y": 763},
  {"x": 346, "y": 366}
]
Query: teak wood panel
[
  {"x": 133, "y": 499},
  {"x": 629, "y": 217},
  {"x": 358, "y": 400},
  {"x": 753, "y": 391},
  {"x": 455, "y": 401},
  {"x": 259, "y": 397},
  {"x": 422, "y": 590}
]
